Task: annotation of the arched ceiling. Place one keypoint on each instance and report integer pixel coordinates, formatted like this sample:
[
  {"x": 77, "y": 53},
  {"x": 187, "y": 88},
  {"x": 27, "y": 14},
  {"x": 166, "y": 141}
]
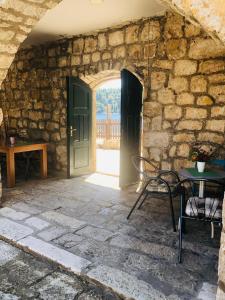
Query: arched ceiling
[{"x": 74, "y": 17}]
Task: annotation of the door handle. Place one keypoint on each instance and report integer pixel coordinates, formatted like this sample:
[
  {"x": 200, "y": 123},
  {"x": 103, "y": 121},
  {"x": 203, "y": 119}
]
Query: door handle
[{"x": 72, "y": 130}]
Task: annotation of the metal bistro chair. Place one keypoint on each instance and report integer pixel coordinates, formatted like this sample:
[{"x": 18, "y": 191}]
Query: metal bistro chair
[
  {"x": 155, "y": 185},
  {"x": 207, "y": 209}
]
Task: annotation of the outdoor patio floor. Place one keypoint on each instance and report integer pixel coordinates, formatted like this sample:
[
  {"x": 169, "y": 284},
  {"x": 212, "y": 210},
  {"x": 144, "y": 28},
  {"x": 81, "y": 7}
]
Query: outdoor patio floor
[{"x": 136, "y": 258}]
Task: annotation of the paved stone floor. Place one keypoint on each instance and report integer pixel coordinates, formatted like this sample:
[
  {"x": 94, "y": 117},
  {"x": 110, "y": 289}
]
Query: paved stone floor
[
  {"x": 23, "y": 276},
  {"x": 83, "y": 226}
]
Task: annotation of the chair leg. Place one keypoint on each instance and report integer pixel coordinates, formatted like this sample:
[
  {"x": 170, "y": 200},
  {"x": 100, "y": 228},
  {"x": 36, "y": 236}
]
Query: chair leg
[
  {"x": 136, "y": 203},
  {"x": 172, "y": 213},
  {"x": 142, "y": 202},
  {"x": 180, "y": 239}
]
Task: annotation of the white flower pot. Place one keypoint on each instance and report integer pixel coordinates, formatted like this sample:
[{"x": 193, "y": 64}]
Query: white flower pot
[{"x": 201, "y": 166}]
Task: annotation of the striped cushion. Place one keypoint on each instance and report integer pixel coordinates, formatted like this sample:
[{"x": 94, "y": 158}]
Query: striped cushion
[{"x": 204, "y": 207}]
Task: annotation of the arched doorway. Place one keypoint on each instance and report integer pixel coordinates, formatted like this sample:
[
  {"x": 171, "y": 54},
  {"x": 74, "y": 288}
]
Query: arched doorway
[{"x": 82, "y": 131}]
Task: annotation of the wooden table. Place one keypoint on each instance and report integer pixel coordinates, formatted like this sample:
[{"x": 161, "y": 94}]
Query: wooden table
[
  {"x": 23, "y": 147},
  {"x": 192, "y": 173}
]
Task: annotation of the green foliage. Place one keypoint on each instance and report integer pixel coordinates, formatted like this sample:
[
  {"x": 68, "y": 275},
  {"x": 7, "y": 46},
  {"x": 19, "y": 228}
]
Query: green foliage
[{"x": 108, "y": 96}]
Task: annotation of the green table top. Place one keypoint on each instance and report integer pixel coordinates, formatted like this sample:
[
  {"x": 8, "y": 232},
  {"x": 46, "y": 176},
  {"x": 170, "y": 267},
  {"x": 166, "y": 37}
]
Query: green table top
[{"x": 208, "y": 174}]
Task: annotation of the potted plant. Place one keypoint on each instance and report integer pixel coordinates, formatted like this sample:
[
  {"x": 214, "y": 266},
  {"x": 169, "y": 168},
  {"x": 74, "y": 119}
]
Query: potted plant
[{"x": 201, "y": 154}]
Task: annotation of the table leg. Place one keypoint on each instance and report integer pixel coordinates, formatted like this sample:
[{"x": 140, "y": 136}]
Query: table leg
[
  {"x": 10, "y": 157},
  {"x": 44, "y": 162},
  {"x": 201, "y": 189}
]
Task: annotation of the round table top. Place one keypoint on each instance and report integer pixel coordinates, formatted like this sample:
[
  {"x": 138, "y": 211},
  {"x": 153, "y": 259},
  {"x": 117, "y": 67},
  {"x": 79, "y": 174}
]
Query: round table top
[{"x": 192, "y": 173}]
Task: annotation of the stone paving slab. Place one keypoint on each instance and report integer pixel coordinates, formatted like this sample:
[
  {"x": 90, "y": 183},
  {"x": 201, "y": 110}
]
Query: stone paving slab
[
  {"x": 37, "y": 223},
  {"x": 7, "y": 253},
  {"x": 63, "y": 220},
  {"x": 13, "y": 214},
  {"x": 60, "y": 256},
  {"x": 125, "y": 284},
  {"x": 12, "y": 230},
  {"x": 96, "y": 233},
  {"x": 52, "y": 233}
]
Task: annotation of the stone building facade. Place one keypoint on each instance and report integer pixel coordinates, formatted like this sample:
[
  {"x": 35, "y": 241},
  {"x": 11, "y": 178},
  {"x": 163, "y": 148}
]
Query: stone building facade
[{"x": 181, "y": 68}]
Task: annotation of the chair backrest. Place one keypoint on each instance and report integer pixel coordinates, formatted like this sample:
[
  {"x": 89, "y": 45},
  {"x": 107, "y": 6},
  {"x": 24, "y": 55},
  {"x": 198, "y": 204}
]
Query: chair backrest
[{"x": 144, "y": 166}]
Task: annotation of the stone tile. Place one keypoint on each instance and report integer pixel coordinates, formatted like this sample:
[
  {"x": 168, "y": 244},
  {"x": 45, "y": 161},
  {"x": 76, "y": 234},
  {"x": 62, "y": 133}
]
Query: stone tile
[
  {"x": 37, "y": 223},
  {"x": 58, "y": 286},
  {"x": 27, "y": 208},
  {"x": 95, "y": 233},
  {"x": 125, "y": 284},
  {"x": 7, "y": 253},
  {"x": 68, "y": 240},
  {"x": 63, "y": 257},
  {"x": 13, "y": 214},
  {"x": 154, "y": 249},
  {"x": 12, "y": 230},
  {"x": 52, "y": 233},
  {"x": 63, "y": 220},
  {"x": 207, "y": 292},
  {"x": 4, "y": 296}
]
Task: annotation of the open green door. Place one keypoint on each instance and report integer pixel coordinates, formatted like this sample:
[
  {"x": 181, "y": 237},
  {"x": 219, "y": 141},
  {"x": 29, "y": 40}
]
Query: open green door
[
  {"x": 131, "y": 106},
  {"x": 79, "y": 110}
]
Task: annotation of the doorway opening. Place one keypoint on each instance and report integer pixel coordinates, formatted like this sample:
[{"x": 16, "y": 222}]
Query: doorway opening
[
  {"x": 108, "y": 110},
  {"x": 123, "y": 139}
]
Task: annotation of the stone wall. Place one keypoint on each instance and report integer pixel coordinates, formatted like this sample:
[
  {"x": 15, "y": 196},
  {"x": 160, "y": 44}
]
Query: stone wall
[
  {"x": 17, "y": 18},
  {"x": 184, "y": 98}
]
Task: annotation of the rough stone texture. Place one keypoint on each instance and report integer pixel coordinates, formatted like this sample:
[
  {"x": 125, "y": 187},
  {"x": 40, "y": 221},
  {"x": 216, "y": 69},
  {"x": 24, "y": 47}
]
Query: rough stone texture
[
  {"x": 138, "y": 259},
  {"x": 24, "y": 276},
  {"x": 183, "y": 87}
]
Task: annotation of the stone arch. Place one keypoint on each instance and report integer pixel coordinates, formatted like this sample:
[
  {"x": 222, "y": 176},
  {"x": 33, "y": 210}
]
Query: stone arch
[{"x": 17, "y": 18}]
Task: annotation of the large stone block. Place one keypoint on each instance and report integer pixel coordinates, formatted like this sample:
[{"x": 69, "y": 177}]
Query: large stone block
[
  {"x": 211, "y": 137},
  {"x": 176, "y": 48},
  {"x": 185, "y": 67},
  {"x": 185, "y": 99},
  {"x": 172, "y": 112},
  {"x": 178, "y": 84},
  {"x": 116, "y": 38},
  {"x": 119, "y": 52},
  {"x": 78, "y": 46},
  {"x": 211, "y": 66},
  {"x": 135, "y": 51},
  {"x": 205, "y": 48},
  {"x": 198, "y": 84},
  {"x": 215, "y": 125},
  {"x": 102, "y": 42},
  {"x": 183, "y": 150},
  {"x": 191, "y": 30},
  {"x": 196, "y": 113},
  {"x": 157, "y": 80},
  {"x": 204, "y": 101},
  {"x": 217, "y": 111},
  {"x": 166, "y": 96},
  {"x": 152, "y": 109},
  {"x": 156, "y": 139},
  {"x": 218, "y": 92},
  {"x": 90, "y": 44},
  {"x": 189, "y": 125},
  {"x": 174, "y": 26},
  {"x": 150, "y": 31},
  {"x": 132, "y": 34},
  {"x": 149, "y": 50},
  {"x": 183, "y": 137},
  {"x": 217, "y": 78},
  {"x": 163, "y": 64}
]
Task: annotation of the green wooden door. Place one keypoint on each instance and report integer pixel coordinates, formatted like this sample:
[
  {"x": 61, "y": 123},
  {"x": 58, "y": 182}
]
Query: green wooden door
[
  {"x": 131, "y": 106},
  {"x": 79, "y": 110}
]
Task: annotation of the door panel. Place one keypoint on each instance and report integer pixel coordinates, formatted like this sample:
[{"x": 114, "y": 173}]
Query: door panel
[
  {"x": 131, "y": 106},
  {"x": 79, "y": 127}
]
